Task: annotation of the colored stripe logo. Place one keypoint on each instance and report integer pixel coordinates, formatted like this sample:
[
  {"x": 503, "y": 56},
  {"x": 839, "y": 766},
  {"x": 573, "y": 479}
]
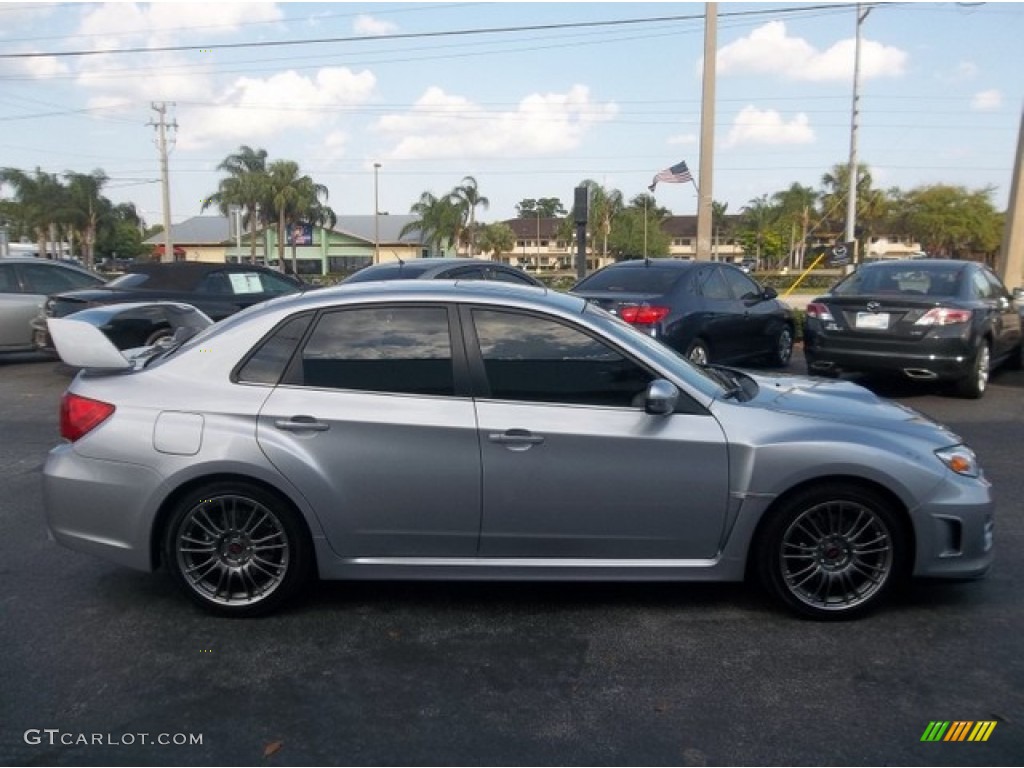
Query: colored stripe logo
[{"x": 958, "y": 730}]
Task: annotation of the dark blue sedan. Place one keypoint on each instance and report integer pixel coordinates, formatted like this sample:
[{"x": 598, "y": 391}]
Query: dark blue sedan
[{"x": 710, "y": 312}]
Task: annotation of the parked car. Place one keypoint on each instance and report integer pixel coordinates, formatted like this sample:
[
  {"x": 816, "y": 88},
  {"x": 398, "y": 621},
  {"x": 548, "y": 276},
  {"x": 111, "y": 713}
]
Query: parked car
[
  {"x": 709, "y": 312},
  {"x": 473, "y": 430},
  {"x": 219, "y": 290},
  {"x": 443, "y": 269},
  {"x": 25, "y": 283},
  {"x": 927, "y": 319}
]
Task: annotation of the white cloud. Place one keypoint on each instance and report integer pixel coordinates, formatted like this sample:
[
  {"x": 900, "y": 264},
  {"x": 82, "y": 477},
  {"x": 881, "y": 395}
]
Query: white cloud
[
  {"x": 42, "y": 67},
  {"x": 254, "y": 109},
  {"x": 769, "y": 50},
  {"x": 367, "y": 25},
  {"x": 443, "y": 125},
  {"x": 115, "y": 25},
  {"x": 987, "y": 101},
  {"x": 335, "y": 145},
  {"x": 756, "y": 126}
]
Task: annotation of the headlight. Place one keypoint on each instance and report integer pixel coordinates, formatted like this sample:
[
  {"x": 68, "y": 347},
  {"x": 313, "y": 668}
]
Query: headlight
[{"x": 960, "y": 459}]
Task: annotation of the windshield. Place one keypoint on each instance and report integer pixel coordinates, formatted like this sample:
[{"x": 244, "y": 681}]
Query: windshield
[{"x": 129, "y": 280}]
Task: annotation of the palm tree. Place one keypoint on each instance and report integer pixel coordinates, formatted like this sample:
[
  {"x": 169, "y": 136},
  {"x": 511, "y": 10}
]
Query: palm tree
[
  {"x": 295, "y": 198},
  {"x": 37, "y": 198},
  {"x": 604, "y": 206},
  {"x": 245, "y": 186},
  {"x": 85, "y": 207},
  {"x": 439, "y": 221},
  {"x": 468, "y": 198}
]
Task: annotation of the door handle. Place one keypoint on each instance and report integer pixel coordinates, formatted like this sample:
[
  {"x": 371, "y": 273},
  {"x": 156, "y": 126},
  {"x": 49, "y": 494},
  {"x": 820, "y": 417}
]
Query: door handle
[
  {"x": 301, "y": 424},
  {"x": 516, "y": 439}
]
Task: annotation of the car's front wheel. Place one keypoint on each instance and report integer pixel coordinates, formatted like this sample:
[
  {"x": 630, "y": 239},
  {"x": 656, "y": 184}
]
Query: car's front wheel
[
  {"x": 832, "y": 552},
  {"x": 237, "y": 549}
]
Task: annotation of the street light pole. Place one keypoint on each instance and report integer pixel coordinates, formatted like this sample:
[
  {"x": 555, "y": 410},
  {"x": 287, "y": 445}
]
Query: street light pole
[{"x": 376, "y": 217}]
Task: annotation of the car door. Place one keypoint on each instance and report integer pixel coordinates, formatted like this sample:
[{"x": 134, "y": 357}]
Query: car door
[
  {"x": 16, "y": 309},
  {"x": 1006, "y": 318},
  {"x": 370, "y": 424},
  {"x": 573, "y": 467},
  {"x": 762, "y": 319},
  {"x": 722, "y": 317}
]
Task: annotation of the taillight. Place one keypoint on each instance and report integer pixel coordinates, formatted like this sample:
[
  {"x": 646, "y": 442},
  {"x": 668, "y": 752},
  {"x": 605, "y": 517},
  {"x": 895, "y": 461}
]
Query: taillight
[
  {"x": 645, "y": 315},
  {"x": 80, "y": 415},
  {"x": 944, "y": 316},
  {"x": 819, "y": 311}
]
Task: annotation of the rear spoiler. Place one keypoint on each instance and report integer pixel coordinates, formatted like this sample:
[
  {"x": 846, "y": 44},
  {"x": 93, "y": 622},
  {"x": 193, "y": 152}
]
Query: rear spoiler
[{"x": 81, "y": 342}]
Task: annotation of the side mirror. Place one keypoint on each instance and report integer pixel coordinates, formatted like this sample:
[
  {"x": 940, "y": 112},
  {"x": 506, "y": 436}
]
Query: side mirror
[
  {"x": 660, "y": 398},
  {"x": 770, "y": 293},
  {"x": 1018, "y": 293}
]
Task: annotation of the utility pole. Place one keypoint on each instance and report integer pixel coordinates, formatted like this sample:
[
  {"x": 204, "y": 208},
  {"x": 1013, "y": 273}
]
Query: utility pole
[
  {"x": 851, "y": 197},
  {"x": 707, "y": 134},
  {"x": 161, "y": 138},
  {"x": 376, "y": 216},
  {"x": 1011, "y": 257}
]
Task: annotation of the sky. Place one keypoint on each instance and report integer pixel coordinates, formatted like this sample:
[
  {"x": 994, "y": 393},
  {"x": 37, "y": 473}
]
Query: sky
[{"x": 528, "y": 98}]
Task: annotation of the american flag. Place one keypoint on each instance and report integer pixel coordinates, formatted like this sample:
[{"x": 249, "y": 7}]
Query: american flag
[{"x": 677, "y": 174}]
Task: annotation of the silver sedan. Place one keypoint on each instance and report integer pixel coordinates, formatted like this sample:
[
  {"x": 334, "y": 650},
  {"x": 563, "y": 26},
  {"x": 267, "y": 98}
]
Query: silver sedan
[{"x": 473, "y": 430}]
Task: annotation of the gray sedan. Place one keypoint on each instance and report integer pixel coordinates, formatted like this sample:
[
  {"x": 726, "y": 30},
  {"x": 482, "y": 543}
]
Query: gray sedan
[
  {"x": 431, "y": 430},
  {"x": 25, "y": 283}
]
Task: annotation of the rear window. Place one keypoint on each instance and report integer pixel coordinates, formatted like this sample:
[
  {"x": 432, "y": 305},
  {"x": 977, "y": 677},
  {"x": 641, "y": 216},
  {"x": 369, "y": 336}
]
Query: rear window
[
  {"x": 396, "y": 272},
  {"x": 631, "y": 280},
  {"x": 903, "y": 280}
]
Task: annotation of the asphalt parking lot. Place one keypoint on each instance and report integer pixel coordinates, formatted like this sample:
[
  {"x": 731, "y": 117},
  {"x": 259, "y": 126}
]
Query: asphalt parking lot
[{"x": 103, "y": 665}]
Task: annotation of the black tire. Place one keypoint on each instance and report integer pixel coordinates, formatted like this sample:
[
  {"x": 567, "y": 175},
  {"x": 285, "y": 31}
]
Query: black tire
[
  {"x": 698, "y": 352},
  {"x": 237, "y": 549},
  {"x": 832, "y": 552},
  {"x": 782, "y": 352},
  {"x": 157, "y": 335},
  {"x": 974, "y": 384}
]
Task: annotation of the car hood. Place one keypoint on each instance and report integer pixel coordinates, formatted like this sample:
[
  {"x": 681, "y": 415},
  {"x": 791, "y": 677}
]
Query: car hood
[{"x": 845, "y": 402}]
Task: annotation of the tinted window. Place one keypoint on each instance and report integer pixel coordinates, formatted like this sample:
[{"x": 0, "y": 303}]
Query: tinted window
[
  {"x": 507, "y": 276},
  {"x": 130, "y": 280},
  {"x": 239, "y": 283},
  {"x": 388, "y": 272},
  {"x": 980, "y": 287},
  {"x": 652, "y": 279},
  {"x": 381, "y": 349},
  {"x": 742, "y": 286},
  {"x": 463, "y": 273},
  {"x": 712, "y": 285},
  {"x": 8, "y": 279},
  {"x": 267, "y": 363},
  {"x": 40, "y": 278},
  {"x": 539, "y": 360}
]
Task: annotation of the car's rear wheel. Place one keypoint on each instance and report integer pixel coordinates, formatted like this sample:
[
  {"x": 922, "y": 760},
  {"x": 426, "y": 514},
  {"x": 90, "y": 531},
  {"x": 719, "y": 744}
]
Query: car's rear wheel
[
  {"x": 832, "y": 552},
  {"x": 698, "y": 352},
  {"x": 974, "y": 384},
  {"x": 783, "y": 350},
  {"x": 237, "y": 549},
  {"x": 157, "y": 335}
]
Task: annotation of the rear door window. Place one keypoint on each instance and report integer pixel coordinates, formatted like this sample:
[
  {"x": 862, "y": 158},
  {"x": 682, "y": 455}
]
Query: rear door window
[{"x": 404, "y": 349}]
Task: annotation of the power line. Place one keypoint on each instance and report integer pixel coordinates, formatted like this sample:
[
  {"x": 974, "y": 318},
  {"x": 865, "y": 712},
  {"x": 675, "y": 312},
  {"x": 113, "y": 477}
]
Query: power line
[{"x": 420, "y": 35}]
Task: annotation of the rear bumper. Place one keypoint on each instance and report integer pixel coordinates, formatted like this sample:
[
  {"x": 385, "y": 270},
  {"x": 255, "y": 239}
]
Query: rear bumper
[
  {"x": 946, "y": 359},
  {"x": 100, "y": 507}
]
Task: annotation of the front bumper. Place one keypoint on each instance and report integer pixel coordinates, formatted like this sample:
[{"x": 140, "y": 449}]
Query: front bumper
[{"x": 954, "y": 530}]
